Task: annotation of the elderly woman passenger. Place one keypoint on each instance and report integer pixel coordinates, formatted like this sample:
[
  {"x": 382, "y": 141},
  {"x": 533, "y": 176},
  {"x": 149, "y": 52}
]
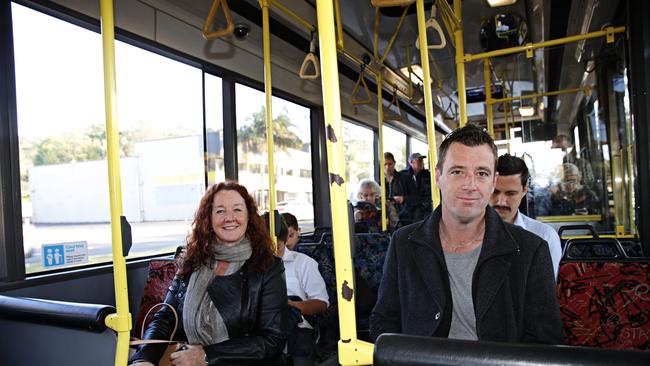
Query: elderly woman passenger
[
  {"x": 230, "y": 292},
  {"x": 368, "y": 207}
]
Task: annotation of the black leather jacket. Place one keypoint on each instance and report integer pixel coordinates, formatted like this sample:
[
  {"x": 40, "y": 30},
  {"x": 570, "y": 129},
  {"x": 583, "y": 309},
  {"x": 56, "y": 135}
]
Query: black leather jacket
[{"x": 253, "y": 306}]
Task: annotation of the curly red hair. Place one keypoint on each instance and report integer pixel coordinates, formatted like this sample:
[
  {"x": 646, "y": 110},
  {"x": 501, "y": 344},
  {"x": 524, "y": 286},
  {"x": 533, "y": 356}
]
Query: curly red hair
[{"x": 198, "y": 242}]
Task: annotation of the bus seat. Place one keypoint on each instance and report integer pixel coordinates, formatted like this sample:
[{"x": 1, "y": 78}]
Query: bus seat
[
  {"x": 45, "y": 332},
  {"x": 402, "y": 350},
  {"x": 605, "y": 302},
  {"x": 160, "y": 276}
]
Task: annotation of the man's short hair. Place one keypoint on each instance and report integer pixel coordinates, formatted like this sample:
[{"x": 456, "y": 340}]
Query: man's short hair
[
  {"x": 512, "y": 165},
  {"x": 389, "y": 156},
  {"x": 470, "y": 135},
  {"x": 290, "y": 220}
]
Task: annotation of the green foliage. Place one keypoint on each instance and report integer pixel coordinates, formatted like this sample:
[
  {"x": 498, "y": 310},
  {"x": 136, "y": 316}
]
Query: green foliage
[{"x": 253, "y": 135}]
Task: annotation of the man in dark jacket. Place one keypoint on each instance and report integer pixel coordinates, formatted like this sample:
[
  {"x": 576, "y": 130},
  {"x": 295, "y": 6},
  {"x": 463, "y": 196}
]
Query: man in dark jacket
[
  {"x": 417, "y": 198},
  {"x": 463, "y": 273}
]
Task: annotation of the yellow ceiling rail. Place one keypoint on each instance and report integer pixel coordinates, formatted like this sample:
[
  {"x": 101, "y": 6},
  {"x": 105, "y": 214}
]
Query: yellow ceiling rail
[
  {"x": 381, "y": 59},
  {"x": 351, "y": 350},
  {"x": 310, "y": 59},
  {"x": 120, "y": 321},
  {"x": 360, "y": 82},
  {"x": 585, "y": 90},
  {"x": 449, "y": 19},
  {"x": 340, "y": 43},
  {"x": 292, "y": 15},
  {"x": 228, "y": 29},
  {"x": 609, "y": 31}
]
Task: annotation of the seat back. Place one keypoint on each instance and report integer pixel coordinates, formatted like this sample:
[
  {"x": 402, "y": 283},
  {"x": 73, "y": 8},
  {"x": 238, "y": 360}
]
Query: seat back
[
  {"x": 605, "y": 303},
  {"x": 160, "y": 276}
]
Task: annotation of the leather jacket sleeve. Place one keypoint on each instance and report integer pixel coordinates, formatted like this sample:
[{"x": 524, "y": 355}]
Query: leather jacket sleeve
[
  {"x": 543, "y": 324},
  {"x": 161, "y": 326},
  {"x": 268, "y": 337}
]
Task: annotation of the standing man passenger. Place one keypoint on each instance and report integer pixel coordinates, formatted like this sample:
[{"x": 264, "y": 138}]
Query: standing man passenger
[
  {"x": 417, "y": 200},
  {"x": 511, "y": 188},
  {"x": 462, "y": 272}
]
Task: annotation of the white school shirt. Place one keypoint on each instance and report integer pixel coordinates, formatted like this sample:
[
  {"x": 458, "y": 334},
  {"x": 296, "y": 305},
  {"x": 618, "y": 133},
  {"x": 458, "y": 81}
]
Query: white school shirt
[
  {"x": 545, "y": 232},
  {"x": 303, "y": 279}
]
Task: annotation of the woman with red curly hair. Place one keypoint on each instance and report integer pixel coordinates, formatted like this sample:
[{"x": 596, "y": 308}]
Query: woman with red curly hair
[{"x": 230, "y": 292}]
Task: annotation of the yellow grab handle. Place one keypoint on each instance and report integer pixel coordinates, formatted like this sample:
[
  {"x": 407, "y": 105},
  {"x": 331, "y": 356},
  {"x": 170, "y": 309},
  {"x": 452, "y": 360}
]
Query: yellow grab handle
[{"x": 230, "y": 26}]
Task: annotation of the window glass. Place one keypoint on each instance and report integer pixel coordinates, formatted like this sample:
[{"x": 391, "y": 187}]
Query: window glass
[
  {"x": 395, "y": 142},
  {"x": 359, "y": 160},
  {"x": 418, "y": 146},
  {"x": 214, "y": 128},
  {"x": 292, "y": 153},
  {"x": 62, "y": 141}
]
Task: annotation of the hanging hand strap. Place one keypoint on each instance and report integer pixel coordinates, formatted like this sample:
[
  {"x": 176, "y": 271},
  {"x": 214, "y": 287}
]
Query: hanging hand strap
[
  {"x": 136, "y": 342},
  {"x": 228, "y": 29},
  {"x": 355, "y": 90},
  {"x": 310, "y": 59},
  {"x": 390, "y": 115},
  {"x": 432, "y": 22}
]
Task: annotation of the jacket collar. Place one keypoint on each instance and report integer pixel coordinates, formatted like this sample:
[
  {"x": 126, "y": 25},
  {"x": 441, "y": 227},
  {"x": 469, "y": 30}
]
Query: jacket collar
[{"x": 491, "y": 269}]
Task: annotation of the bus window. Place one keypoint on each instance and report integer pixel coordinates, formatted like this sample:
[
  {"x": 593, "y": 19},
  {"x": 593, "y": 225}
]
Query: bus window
[
  {"x": 61, "y": 122},
  {"x": 292, "y": 149},
  {"x": 214, "y": 129},
  {"x": 395, "y": 142},
  {"x": 359, "y": 161}
]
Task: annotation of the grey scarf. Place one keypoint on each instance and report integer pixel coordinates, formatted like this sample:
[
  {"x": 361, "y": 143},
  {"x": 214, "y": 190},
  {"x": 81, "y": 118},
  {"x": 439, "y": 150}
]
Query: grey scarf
[{"x": 201, "y": 319}]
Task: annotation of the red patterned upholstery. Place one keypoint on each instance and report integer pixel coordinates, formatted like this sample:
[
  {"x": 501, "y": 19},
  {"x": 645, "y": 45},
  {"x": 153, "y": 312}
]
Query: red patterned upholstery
[
  {"x": 605, "y": 304},
  {"x": 161, "y": 274}
]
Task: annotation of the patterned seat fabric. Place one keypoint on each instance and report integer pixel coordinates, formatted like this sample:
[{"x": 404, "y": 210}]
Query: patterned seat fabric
[
  {"x": 605, "y": 304},
  {"x": 161, "y": 274}
]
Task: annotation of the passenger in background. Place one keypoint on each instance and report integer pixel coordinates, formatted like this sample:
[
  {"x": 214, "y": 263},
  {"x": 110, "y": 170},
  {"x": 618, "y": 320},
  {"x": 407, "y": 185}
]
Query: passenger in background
[
  {"x": 463, "y": 273},
  {"x": 293, "y": 235},
  {"x": 511, "y": 188},
  {"x": 396, "y": 182},
  {"x": 367, "y": 210},
  {"x": 571, "y": 197},
  {"x": 229, "y": 293},
  {"x": 307, "y": 297},
  {"x": 417, "y": 200}
]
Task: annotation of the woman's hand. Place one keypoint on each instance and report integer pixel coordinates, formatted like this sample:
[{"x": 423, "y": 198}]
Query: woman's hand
[{"x": 189, "y": 355}]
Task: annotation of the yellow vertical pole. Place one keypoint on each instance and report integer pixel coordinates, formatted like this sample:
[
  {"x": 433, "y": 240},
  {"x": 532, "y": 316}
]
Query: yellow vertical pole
[
  {"x": 630, "y": 184},
  {"x": 488, "y": 96},
  {"x": 505, "y": 117},
  {"x": 339, "y": 25},
  {"x": 351, "y": 350},
  {"x": 460, "y": 63},
  {"x": 269, "y": 116},
  {"x": 428, "y": 102},
  {"x": 380, "y": 123},
  {"x": 120, "y": 321}
]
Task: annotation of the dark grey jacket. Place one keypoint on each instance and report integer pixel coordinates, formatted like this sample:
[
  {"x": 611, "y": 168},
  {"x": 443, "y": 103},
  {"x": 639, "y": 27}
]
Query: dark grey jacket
[
  {"x": 253, "y": 306},
  {"x": 512, "y": 287}
]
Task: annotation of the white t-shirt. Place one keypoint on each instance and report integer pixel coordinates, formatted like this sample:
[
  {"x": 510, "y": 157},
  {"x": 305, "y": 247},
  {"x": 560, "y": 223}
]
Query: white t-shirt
[
  {"x": 545, "y": 232},
  {"x": 303, "y": 279}
]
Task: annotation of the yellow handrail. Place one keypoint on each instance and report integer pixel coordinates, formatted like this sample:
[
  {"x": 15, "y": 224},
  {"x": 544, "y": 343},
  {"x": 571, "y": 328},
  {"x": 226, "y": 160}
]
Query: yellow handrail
[
  {"x": 432, "y": 22},
  {"x": 310, "y": 59},
  {"x": 585, "y": 90},
  {"x": 121, "y": 320},
  {"x": 460, "y": 63},
  {"x": 228, "y": 29},
  {"x": 293, "y": 15},
  {"x": 268, "y": 90},
  {"x": 380, "y": 124},
  {"x": 607, "y": 32},
  {"x": 351, "y": 350},
  {"x": 381, "y": 59},
  {"x": 428, "y": 102},
  {"x": 488, "y": 96}
]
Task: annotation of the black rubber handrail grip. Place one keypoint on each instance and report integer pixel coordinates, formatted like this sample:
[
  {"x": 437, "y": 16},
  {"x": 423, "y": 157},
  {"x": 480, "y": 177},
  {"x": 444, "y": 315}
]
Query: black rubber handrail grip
[
  {"x": 398, "y": 350},
  {"x": 88, "y": 317}
]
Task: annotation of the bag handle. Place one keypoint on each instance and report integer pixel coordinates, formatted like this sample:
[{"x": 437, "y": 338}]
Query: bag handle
[{"x": 136, "y": 342}]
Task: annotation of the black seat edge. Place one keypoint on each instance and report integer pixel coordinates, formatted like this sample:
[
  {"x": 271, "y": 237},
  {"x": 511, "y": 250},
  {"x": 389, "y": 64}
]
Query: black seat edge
[
  {"x": 398, "y": 349},
  {"x": 83, "y": 316}
]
